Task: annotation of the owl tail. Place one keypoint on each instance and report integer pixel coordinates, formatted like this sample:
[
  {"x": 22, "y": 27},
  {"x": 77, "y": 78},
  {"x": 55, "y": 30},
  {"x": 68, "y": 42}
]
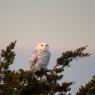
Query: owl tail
[{"x": 35, "y": 68}]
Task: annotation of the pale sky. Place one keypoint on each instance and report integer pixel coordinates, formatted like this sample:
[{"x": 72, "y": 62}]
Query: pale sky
[{"x": 63, "y": 24}]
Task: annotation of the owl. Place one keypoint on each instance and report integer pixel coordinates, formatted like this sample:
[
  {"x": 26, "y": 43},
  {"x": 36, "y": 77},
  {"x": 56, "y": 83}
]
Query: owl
[{"x": 40, "y": 57}]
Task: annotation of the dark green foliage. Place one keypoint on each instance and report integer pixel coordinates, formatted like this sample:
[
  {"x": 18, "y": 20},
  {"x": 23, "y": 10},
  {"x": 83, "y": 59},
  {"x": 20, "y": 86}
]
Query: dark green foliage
[
  {"x": 7, "y": 56},
  {"x": 68, "y": 57},
  {"x": 44, "y": 82},
  {"x": 88, "y": 89}
]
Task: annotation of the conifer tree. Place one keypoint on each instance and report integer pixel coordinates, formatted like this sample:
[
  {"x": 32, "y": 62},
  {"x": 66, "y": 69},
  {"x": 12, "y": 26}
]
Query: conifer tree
[
  {"x": 44, "y": 82},
  {"x": 88, "y": 89}
]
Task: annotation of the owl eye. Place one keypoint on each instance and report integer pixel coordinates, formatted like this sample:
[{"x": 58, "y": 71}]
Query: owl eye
[{"x": 42, "y": 45}]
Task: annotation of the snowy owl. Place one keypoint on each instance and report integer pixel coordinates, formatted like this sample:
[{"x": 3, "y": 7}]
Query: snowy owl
[{"x": 40, "y": 57}]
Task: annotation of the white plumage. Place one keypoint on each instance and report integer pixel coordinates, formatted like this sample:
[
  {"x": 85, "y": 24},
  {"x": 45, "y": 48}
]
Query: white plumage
[{"x": 40, "y": 57}]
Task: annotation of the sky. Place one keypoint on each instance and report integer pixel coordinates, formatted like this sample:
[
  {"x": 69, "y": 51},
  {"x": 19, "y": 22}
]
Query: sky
[{"x": 63, "y": 24}]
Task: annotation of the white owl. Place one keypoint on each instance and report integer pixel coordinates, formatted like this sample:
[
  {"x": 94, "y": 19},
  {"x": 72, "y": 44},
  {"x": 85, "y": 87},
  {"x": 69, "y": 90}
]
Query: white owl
[{"x": 40, "y": 57}]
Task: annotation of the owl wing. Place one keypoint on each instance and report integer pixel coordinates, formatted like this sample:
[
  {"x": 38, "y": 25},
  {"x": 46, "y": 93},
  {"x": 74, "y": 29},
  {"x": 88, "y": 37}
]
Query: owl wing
[
  {"x": 33, "y": 59},
  {"x": 44, "y": 58}
]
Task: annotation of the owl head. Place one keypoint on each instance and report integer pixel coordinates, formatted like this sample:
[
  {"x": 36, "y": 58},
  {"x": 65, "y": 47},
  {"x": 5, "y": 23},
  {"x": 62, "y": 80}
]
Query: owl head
[{"x": 42, "y": 46}]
